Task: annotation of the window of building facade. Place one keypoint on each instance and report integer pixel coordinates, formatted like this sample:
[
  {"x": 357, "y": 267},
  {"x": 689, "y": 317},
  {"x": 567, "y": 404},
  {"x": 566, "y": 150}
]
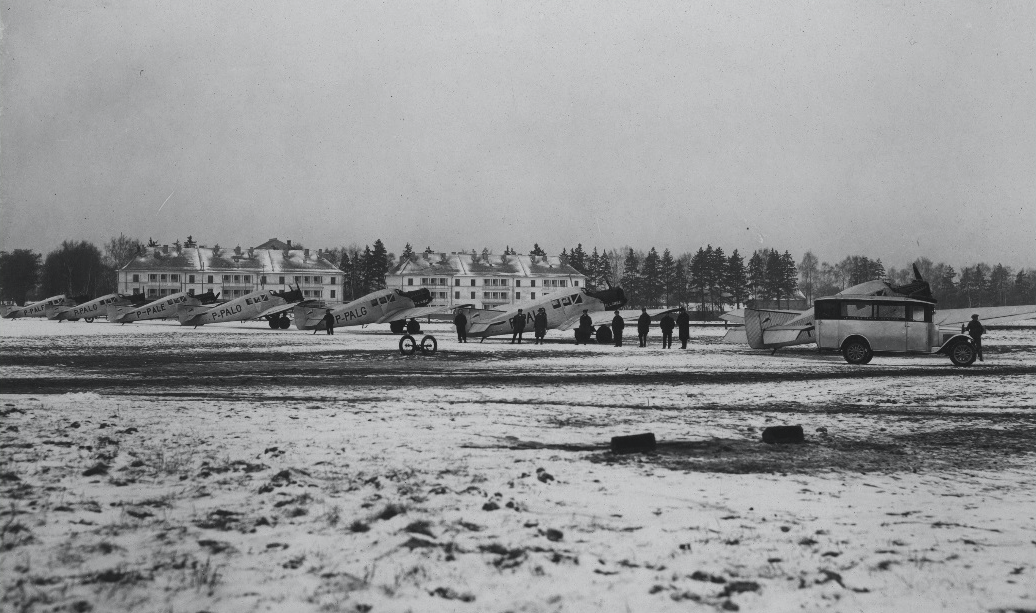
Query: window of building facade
[
  {"x": 162, "y": 278},
  {"x": 472, "y": 285},
  {"x": 190, "y": 278},
  {"x": 517, "y": 282},
  {"x": 237, "y": 278},
  {"x": 318, "y": 279},
  {"x": 456, "y": 282},
  {"x": 532, "y": 283},
  {"x": 307, "y": 279},
  {"x": 210, "y": 278},
  {"x": 298, "y": 280},
  {"x": 456, "y": 295},
  {"x": 331, "y": 281},
  {"x": 575, "y": 283},
  {"x": 280, "y": 280},
  {"x": 152, "y": 292},
  {"x": 226, "y": 278},
  {"x": 152, "y": 277},
  {"x": 175, "y": 278},
  {"x": 247, "y": 278},
  {"x": 517, "y": 295},
  {"x": 532, "y": 296},
  {"x": 410, "y": 281},
  {"x": 136, "y": 278},
  {"x": 472, "y": 295},
  {"x": 333, "y": 293}
]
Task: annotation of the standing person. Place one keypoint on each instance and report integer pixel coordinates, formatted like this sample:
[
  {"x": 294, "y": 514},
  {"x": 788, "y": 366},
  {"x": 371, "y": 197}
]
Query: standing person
[
  {"x": 329, "y": 321},
  {"x": 643, "y": 325},
  {"x": 618, "y": 323},
  {"x": 539, "y": 324},
  {"x": 975, "y": 330},
  {"x": 667, "y": 324},
  {"x": 518, "y": 326},
  {"x": 586, "y": 328},
  {"x": 461, "y": 321},
  {"x": 683, "y": 322}
]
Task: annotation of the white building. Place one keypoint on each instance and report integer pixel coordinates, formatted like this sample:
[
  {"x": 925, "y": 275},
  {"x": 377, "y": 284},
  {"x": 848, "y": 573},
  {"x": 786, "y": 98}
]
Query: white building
[
  {"x": 486, "y": 280},
  {"x": 163, "y": 270}
]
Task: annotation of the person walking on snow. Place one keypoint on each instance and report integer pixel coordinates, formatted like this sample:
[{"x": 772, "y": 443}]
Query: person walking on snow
[
  {"x": 539, "y": 325},
  {"x": 643, "y": 325},
  {"x": 683, "y": 322},
  {"x": 618, "y": 323},
  {"x": 975, "y": 330},
  {"x": 667, "y": 324},
  {"x": 518, "y": 326},
  {"x": 329, "y": 322}
]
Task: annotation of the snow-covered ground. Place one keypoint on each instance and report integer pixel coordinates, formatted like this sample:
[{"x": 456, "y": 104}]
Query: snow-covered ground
[{"x": 152, "y": 467}]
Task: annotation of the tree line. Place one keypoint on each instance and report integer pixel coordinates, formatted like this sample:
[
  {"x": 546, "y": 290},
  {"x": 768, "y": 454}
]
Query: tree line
[{"x": 708, "y": 280}]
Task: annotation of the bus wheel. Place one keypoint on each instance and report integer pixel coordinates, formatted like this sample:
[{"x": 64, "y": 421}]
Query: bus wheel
[
  {"x": 963, "y": 354},
  {"x": 429, "y": 345},
  {"x": 407, "y": 345},
  {"x": 857, "y": 352}
]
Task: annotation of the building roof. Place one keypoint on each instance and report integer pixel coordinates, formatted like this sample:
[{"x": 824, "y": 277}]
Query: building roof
[
  {"x": 258, "y": 260},
  {"x": 475, "y": 265},
  {"x": 275, "y": 243}
]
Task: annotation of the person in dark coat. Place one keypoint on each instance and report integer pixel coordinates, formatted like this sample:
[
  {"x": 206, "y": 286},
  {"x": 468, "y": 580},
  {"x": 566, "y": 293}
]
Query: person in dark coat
[
  {"x": 683, "y": 322},
  {"x": 329, "y": 322},
  {"x": 618, "y": 323},
  {"x": 667, "y": 324},
  {"x": 586, "y": 328},
  {"x": 975, "y": 330},
  {"x": 539, "y": 325},
  {"x": 643, "y": 325},
  {"x": 461, "y": 321},
  {"x": 518, "y": 326}
]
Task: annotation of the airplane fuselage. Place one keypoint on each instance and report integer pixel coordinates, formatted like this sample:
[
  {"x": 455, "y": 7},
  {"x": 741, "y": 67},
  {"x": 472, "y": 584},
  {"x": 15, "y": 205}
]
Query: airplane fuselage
[
  {"x": 159, "y": 309},
  {"x": 369, "y": 309},
  {"x": 89, "y": 310},
  {"x": 39, "y": 309},
  {"x": 249, "y": 306},
  {"x": 559, "y": 309}
]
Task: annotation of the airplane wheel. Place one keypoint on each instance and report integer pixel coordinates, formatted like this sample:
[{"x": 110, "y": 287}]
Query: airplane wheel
[
  {"x": 284, "y": 323},
  {"x": 604, "y": 335},
  {"x": 412, "y": 327},
  {"x": 963, "y": 354},
  {"x": 429, "y": 345},
  {"x": 273, "y": 324},
  {"x": 88, "y": 320},
  {"x": 407, "y": 345},
  {"x": 397, "y": 327},
  {"x": 857, "y": 352}
]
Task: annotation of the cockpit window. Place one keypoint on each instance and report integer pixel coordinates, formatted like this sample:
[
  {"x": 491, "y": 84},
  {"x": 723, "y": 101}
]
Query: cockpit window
[
  {"x": 382, "y": 300},
  {"x": 556, "y": 304},
  {"x": 566, "y": 301},
  {"x": 392, "y": 298},
  {"x": 577, "y": 299},
  {"x": 374, "y": 302}
]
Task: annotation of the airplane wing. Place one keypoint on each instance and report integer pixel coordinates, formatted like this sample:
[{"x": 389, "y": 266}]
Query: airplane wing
[
  {"x": 987, "y": 315},
  {"x": 415, "y": 312},
  {"x": 287, "y": 307},
  {"x": 736, "y": 317}
]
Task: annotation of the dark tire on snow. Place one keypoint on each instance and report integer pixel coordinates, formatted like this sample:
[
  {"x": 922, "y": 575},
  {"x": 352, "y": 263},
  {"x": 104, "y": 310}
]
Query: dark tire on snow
[
  {"x": 284, "y": 323},
  {"x": 407, "y": 345},
  {"x": 88, "y": 320},
  {"x": 412, "y": 327},
  {"x": 397, "y": 327},
  {"x": 429, "y": 345},
  {"x": 273, "y": 323},
  {"x": 963, "y": 354},
  {"x": 604, "y": 335},
  {"x": 857, "y": 351}
]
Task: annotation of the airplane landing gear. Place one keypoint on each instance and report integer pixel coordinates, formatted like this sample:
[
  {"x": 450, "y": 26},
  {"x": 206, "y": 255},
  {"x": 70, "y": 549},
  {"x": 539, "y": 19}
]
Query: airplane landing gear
[
  {"x": 88, "y": 320},
  {"x": 408, "y": 345},
  {"x": 279, "y": 323}
]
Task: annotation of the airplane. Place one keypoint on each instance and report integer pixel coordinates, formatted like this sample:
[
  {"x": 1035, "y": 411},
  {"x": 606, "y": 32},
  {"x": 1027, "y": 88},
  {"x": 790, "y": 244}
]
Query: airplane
[
  {"x": 272, "y": 305},
  {"x": 392, "y": 306},
  {"x": 563, "y": 313},
  {"x": 38, "y": 309},
  {"x": 162, "y": 308},
  {"x": 88, "y": 311},
  {"x": 772, "y": 328}
]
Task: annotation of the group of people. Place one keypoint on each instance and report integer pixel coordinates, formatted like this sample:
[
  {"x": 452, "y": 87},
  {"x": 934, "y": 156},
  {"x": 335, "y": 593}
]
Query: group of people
[
  {"x": 667, "y": 324},
  {"x": 585, "y": 331}
]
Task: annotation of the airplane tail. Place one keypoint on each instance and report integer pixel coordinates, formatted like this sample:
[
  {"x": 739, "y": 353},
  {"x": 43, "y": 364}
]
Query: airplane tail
[
  {"x": 190, "y": 314},
  {"x": 769, "y": 329},
  {"x": 308, "y": 317},
  {"x": 54, "y": 311}
]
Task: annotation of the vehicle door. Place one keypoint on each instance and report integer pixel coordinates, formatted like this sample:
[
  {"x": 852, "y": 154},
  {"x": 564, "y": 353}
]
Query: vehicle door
[
  {"x": 918, "y": 328},
  {"x": 890, "y": 333}
]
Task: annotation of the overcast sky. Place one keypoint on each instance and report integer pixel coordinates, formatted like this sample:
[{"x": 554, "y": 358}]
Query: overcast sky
[{"x": 886, "y": 129}]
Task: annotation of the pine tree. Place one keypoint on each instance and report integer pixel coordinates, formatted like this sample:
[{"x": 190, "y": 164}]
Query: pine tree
[
  {"x": 737, "y": 279},
  {"x": 604, "y": 271},
  {"x": 717, "y": 278},
  {"x": 537, "y": 251},
  {"x": 668, "y": 275},
  {"x": 407, "y": 255},
  {"x": 699, "y": 277},
  {"x": 577, "y": 258},
  {"x": 790, "y": 280},
  {"x": 651, "y": 279},
  {"x": 631, "y": 278},
  {"x": 19, "y": 273},
  {"x": 563, "y": 257},
  {"x": 757, "y": 275},
  {"x": 379, "y": 265},
  {"x": 774, "y": 276},
  {"x": 593, "y": 271}
]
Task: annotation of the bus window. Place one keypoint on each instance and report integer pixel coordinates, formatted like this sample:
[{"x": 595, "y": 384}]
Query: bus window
[
  {"x": 826, "y": 310},
  {"x": 917, "y": 313},
  {"x": 856, "y": 310},
  {"x": 894, "y": 312}
]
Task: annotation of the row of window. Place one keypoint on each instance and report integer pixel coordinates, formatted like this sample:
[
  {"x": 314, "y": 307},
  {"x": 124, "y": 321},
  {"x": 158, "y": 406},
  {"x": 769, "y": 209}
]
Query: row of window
[
  {"x": 245, "y": 279},
  {"x": 493, "y": 282},
  {"x": 837, "y": 309},
  {"x": 232, "y": 293}
]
